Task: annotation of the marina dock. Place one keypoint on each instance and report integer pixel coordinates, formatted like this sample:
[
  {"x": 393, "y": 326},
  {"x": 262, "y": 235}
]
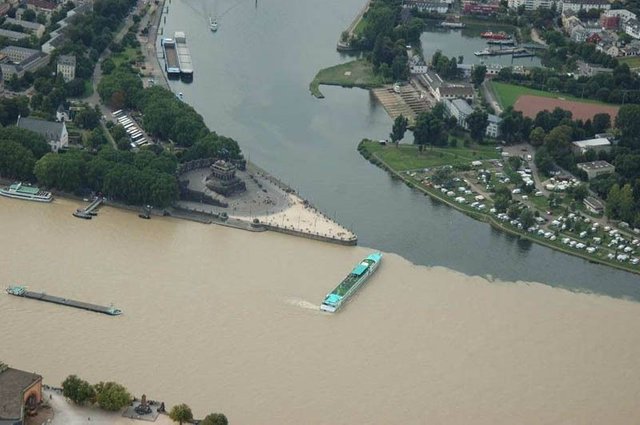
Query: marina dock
[
  {"x": 90, "y": 211},
  {"x": 21, "y": 291}
]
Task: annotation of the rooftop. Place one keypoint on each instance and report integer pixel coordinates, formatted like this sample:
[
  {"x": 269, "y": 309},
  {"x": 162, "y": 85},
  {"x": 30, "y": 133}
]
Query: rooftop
[
  {"x": 12, "y": 35},
  {"x": 595, "y": 165},
  {"x": 25, "y": 24},
  {"x": 494, "y": 119},
  {"x": 600, "y": 141},
  {"x": 67, "y": 60},
  {"x": 462, "y": 106},
  {"x": 603, "y": 2},
  {"x": 42, "y": 4},
  {"x": 49, "y": 129},
  {"x": 456, "y": 90},
  {"x": 13, "y": 383}
]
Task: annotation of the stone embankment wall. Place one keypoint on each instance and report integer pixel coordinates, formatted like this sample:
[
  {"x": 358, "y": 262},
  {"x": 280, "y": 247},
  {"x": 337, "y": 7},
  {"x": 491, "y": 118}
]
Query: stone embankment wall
[{"x": 317, "y": 237}]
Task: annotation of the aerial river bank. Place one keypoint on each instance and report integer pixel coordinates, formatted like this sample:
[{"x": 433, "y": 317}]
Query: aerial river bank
[
  {"x": 228, "y": 321},
  {"x": 247, "y": 85}
]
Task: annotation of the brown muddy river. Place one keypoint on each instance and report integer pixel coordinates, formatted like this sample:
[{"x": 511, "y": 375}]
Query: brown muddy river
[{"x": 228, "y": 321}]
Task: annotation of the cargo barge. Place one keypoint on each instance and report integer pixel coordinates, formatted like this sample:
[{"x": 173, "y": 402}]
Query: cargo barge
[
  {"x": 170, "y": 57},
  {"x": 184, "y": 55},
  {"x": 360, "y": 273},
  {"x": 21, "y": 291}
]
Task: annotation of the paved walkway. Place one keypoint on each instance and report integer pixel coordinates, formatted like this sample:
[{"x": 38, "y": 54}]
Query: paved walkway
[
  {"x": 490, "y": 98},
  {"x": 67, "y": 413}
]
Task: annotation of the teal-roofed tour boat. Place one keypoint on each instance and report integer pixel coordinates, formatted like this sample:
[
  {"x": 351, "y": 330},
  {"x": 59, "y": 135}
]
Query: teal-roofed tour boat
[
  {"x": 29, "y": 193},
  {"x": 360, "y": 273}
]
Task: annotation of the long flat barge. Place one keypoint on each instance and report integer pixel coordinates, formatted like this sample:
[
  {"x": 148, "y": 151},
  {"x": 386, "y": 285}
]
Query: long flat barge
[
  {"x": 170, "y": 56},
  {"x": 184, "y": 55},
  {"x": 360, "y": 273},
  {"x": 516, "y": 51},
  {"x": 21, "y": 291}
]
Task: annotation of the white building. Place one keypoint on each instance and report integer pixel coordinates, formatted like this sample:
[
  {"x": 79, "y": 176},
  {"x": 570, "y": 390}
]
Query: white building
[
  {"x": 460, "y": 109},
  {"x": 578, "y": 5},
  {"x": 493, "y": 129},
  {"x": 599, "y": 144},
  {"x": 631, "y": 27},
  {"x": 55, "y": 133},
  {"x": 427, "y": 6},
  {"x": 31, "y": 27},
  {"x": 623, "y": 14},
  {"x": 596, "y": 168},
  {"x": 531, "y": 4},
  {"x": 454, "y": 91},
  {"x": 67, "y": 67}
]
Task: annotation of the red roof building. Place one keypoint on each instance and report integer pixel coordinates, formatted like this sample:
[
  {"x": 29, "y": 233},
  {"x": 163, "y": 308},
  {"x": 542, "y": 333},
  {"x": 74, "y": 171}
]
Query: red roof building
[
  {"x": 594, "y": 38},
  {"x": 610, "y": 22},
  {"x": 476, "y": 8},
  {"x": 44, "y": 5}
]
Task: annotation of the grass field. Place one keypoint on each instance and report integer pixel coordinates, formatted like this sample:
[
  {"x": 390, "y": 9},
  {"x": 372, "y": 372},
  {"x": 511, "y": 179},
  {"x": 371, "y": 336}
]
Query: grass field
[
  {"x": 358, "y": 73},
  {"x": 508, "y": 94},
  {"x": 407, "y": 157},
  {"x": 127, "y": 55},
  {"x": 632, "y": 61}
]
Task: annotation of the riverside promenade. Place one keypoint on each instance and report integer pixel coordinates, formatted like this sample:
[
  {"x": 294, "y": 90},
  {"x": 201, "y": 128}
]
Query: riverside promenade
[
  {"x": 344, "y": 46},
  {"x": 153, "y": 57}
]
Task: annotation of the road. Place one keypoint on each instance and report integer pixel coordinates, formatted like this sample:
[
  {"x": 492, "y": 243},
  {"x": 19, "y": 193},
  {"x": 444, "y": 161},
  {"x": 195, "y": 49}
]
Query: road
[
  {"x": 94, "y": 99},
  {"x": 490, "y": 98}
]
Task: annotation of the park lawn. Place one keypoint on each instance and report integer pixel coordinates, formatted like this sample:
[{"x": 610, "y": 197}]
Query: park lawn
[
  {"x": 632, "y": 61},
  {"x": 357, "y": 73},
  {"x": 360, "y": 26},
  {"x": 508, "y": 94},
  {"x": 407, "y": 157},
  {"x": 125, "y": 56},
  {"x": 88, "y": 89}
]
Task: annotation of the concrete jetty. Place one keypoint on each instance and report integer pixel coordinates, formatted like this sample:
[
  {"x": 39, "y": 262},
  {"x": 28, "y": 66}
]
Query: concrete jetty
[{"x": 90, "y": 211}]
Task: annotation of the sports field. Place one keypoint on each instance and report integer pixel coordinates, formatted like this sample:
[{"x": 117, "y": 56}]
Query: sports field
[
  {"x": 531, "y": 101},
  {"x": 531, "y": 105},
  {"x": 508, "y": 94}
]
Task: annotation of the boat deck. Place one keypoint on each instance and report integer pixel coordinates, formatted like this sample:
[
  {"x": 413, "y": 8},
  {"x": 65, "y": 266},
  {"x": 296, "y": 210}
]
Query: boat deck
[
  {"x": 40, "y": 296},
  {"x": 184, "y": 58},
  {"x": 171, "y": 57}
]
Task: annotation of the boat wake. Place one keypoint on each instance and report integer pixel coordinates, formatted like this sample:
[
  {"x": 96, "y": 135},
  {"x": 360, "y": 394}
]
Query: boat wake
[{"x": 297, "y": 302}]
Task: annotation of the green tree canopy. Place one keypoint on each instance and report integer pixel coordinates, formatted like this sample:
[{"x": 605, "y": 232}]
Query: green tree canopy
[
  {"x": 399, "y": 128},
  {"x": 112, "y": 396},
  {"x": 477, "y": 122},
  {"x": 429, "y": 130},
  {"x": 478, "y": 74},
  {"x": 215, "y": 419},
  {"x": 77, "y": 390},
  {"x": 181, "y": 413}
]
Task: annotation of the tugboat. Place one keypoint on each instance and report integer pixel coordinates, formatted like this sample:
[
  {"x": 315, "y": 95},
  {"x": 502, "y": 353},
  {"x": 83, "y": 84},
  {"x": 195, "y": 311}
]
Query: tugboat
[{"x": 146, "y": 213}]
